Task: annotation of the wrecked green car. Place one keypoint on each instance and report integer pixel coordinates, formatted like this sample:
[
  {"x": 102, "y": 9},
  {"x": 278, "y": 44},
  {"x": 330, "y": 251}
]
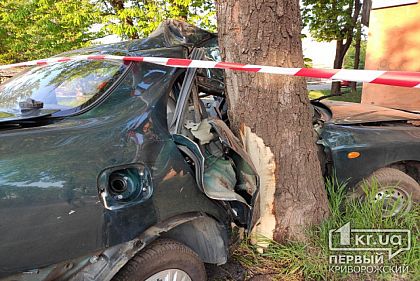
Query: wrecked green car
[{"x": 120, "y": 171}]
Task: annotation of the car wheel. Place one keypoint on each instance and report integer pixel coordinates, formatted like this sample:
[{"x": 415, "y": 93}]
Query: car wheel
[
  {"x": 397, "y": 190},
  {"x": 163, "y": 260}
]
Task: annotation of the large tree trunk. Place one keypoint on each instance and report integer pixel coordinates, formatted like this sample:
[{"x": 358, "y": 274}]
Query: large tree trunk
[{"x": 274, "y": 108}]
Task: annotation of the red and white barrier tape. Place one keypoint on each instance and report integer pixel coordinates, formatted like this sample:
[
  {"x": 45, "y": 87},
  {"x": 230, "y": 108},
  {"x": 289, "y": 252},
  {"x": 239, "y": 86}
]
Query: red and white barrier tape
[{"x": 393, "y": 78}]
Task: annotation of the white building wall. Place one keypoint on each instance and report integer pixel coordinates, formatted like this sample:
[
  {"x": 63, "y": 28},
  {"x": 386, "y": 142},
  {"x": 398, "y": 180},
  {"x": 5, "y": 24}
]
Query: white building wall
[{"x": 321, "y": 53}]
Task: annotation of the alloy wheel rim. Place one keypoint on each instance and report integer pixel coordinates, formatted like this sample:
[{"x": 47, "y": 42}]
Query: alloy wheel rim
[
  {"x": 395, "y": 201},
  {"x": 170, "y": 275}
]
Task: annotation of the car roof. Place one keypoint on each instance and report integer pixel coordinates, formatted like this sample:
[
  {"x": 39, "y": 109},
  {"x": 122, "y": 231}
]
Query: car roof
[{"x": 171, "y": 35}]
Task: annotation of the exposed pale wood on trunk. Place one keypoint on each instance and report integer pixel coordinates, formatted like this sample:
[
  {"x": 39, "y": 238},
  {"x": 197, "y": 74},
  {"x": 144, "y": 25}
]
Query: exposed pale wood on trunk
[{"x": 265, "y": 164}]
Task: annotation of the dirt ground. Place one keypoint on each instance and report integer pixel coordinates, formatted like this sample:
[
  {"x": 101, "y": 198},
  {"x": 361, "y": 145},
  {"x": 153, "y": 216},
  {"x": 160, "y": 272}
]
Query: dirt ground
[{"x": 231, "y": 271}]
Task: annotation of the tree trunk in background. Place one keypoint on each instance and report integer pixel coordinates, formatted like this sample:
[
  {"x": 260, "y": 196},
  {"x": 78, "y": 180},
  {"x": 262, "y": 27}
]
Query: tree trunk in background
[
  {"x": 357, "y": 54},
  {"x": 342, "y": 47},
  {"x": 275, "y": 108},
  {"x": 340, "y": 53},
  {"x": 338, "y": 63}
]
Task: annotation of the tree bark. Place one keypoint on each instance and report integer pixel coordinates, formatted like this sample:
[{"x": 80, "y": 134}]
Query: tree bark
[
  {"x": 275, "y": 108},
  {"x": 340, "y": 52},
  {"x": 357, "y": 46}
]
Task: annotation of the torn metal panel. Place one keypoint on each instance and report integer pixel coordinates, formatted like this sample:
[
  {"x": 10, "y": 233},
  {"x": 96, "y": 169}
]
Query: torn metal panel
[{"x": 201, "y": 131}]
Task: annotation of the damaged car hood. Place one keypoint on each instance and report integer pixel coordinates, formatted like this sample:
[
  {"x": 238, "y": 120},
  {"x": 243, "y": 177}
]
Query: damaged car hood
[{"x": 356, "y": 113}]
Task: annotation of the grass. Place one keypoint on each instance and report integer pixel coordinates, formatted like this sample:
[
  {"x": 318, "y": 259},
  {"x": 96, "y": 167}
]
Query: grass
[
  {"x": 309, "y": 260},
  {"x": 5, "y": 114},
  {"x": 347, "y": 95}
]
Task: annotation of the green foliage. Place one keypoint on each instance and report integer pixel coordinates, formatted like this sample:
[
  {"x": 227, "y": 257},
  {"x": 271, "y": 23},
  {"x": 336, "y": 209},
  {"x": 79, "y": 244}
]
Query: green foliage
[
  {"x": 349, "y": 58},
  {"x": 137, "y": 19},
  {"x": 328, "y": 20},
  {"x": 41, "y": 28},
  {"x": 308, "y": 62}
]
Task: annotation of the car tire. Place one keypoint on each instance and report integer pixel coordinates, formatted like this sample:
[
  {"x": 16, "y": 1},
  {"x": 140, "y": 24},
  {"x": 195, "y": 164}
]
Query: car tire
[
  {"x": 163, "y": 258},
  {"x": 393, "y": 184}
]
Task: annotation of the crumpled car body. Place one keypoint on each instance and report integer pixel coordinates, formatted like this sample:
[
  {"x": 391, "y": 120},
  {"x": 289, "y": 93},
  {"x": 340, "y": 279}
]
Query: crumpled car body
[
  {"x": 384, "y": 137},
  {"x": 89, "y": 178}
]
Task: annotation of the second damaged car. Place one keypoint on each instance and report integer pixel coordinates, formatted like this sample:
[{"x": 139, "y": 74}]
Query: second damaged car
[{"x": 372, "y": 149}]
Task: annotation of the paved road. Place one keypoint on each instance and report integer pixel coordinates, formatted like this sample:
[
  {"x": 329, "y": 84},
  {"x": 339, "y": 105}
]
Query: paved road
[{"x": 318, "y": 87}]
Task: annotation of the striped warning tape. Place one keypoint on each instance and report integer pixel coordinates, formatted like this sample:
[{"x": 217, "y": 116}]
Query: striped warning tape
[{"x": 393, "y": 78}]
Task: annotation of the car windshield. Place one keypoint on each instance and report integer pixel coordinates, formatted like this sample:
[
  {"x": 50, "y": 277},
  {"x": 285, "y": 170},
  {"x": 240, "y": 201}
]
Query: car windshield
[{"x": 59, "y": 86}]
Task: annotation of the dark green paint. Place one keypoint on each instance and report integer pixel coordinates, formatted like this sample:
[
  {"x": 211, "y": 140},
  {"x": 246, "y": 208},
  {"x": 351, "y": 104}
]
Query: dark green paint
[{"x": 50, "y": 210}]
